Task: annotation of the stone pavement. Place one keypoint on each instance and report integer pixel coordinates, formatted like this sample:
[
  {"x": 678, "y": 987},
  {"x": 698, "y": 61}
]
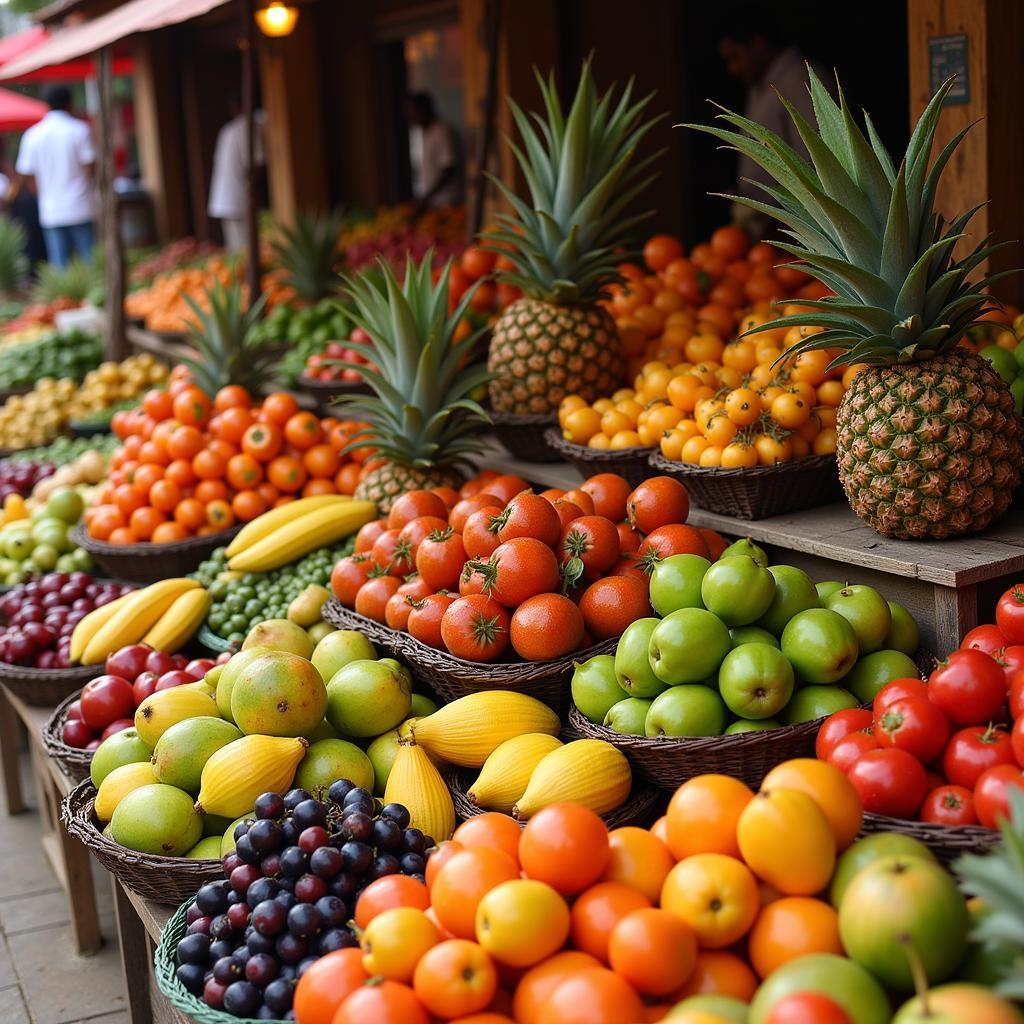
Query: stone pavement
[{"x": 42, "y": 981}]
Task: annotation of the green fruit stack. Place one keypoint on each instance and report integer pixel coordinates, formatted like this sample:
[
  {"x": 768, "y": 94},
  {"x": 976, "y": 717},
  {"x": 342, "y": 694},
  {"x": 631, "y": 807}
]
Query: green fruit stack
[{"x": 739, "y": 645}]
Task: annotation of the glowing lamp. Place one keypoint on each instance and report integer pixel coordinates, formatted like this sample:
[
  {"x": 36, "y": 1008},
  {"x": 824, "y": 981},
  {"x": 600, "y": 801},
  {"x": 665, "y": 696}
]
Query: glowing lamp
[{"x": 277, "y": 19}]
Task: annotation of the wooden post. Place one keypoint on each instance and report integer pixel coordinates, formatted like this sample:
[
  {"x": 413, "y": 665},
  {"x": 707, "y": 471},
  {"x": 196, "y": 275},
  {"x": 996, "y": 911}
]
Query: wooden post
[
  {"x": 252, "y": 234},
  {"x": 110, "y": 227},
  {"x": 490, "y": 101}
]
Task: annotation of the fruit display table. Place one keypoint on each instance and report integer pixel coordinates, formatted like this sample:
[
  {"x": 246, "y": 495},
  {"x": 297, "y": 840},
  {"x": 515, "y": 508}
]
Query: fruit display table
[
  {"x": 71, "y": 862},
  {"x": 948, "y": 586}
]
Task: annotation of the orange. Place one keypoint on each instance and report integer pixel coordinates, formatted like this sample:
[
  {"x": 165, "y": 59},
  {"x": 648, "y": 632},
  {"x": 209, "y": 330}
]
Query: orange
[
  {"x": 128, "y": 498},
  {"x": 181, "y": 472},
  {"x": 143, "y": 521},
  {"x": 383, "y": 1002},
  {"x": 286, "y": 474},
  {"x": 791, "y": 927},
  {"x": 231, "y": 424},
  {"x": 785, "y": 839},
  {"x": 165, "y": 495},
  {"x": 498, "y": 831},
  {"x": 387, "y": 892},
  {"x": 828, "y": 787},
  {"x": 279, "y": 407},
  {"x": 715, "y": 894},
  {"x": 522, "y": 922},
  {"x": 703, "y": 813},
  {"x": 231, "y": 396},
  {"x": 146, "y": 475},
  {"x": 455, "y": 978},
  {"x": 463, "y": 882},
  {"x": 719, "y": 973},
  {"x": 660, "y": 829},
  {"x": 122, "y": 535},
  {"x": 248, "y": 505},
  {"x": 167, "y": 533},
  {"x": 654, "y": 950},
  {"x": 592, "y": 996},
  {"x": 208, "y": 465},
  {"x": 190, "y": 514},
  {"x": 565, "y": 845},
  {"x": 596, "y": 912},
  {"x": 639, "y": 859},
  {"x": 325, "y": 985},
  {"x": 321, "y": 461},
  {"x": 394, "y": 941},
  {"x": 244, "y": 472},
  {"x": 442, "y": 853},
  {"x": 211, "y": 490},
  {"x": 185, "y": 443},
  {"x": 539, "y": 982},
  {"x": 192, "y": 407}
]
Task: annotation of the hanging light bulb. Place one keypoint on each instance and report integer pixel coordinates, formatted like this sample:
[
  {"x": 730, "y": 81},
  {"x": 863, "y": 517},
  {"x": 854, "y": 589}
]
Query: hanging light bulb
[{"x": 277, "y": 19}]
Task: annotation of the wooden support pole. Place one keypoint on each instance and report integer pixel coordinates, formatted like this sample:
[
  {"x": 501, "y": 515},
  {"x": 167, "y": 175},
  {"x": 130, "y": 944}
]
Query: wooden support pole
[
  {"x": 494, "y": 14},
  {"x": 252, "y": 239},
  {"x": 110, "y": 226}
]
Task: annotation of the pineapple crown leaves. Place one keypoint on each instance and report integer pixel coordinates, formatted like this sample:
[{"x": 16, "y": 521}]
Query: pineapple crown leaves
[
  {"x": 308, "y": 253},
  {"x": 867, "y": 230},
  {"x": 995, "y": 878},
  {"x": 582, "y": 172},
  {"x": 13, "y": 261},
  {"x": 229, "y": 350},
  {"x": 420, "y": 413}
]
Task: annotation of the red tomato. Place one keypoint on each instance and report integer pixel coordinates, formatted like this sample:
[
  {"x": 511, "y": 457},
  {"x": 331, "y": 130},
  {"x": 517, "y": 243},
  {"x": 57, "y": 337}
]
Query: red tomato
[
  {"x": 848, "y": 750},
  {"x": 807, "y": 1008},
  {"x": 1017, "y": 739},
  {"x": 1012, "y": 660},
  {"x": 837, "y": 727},
  {"x": 973, "y": 750},
  {"x": 475, "y": 627},
  {"x": 969, "y": 687},
  {"x": 348, "y": 575},
  {"x": 889, "y": 782},
  {"x": 440, "y": 558},
  {"x": 1010, "y": 614},
  {"x": 992, "y": 793},
  {"x": 984, "y": 638},
  {"x": 896, "y": 690},
  {"x": 106, "y": 699},
  {"x": 949, "y": 805},
  {"x": 913, "y": 724},
  {"x": 1017, "y": 694}
]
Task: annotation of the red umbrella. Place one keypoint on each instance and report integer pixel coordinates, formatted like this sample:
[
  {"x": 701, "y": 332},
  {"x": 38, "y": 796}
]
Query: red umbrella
[
  {"x": 19, "y": 112},
  {"x": 72, "y": 70}
]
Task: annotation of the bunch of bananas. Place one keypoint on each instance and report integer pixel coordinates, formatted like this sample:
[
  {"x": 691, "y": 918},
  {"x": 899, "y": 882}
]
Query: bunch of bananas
[
  {"x": 164, "y": 616},
  {"x": 285, "y": 534}
]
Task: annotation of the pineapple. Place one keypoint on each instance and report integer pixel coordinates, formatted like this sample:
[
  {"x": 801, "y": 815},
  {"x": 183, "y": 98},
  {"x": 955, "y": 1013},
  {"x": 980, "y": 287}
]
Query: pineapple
[
  {"x": 308, "y": 253},
  {"x": 421, "y": 418},
  {"x": 564, "y": 245},
  {"x": 13, "y": 261},
  {"x": 74, "y": 282},
  {"x": 221, "y": 332},
  {"x": 928, "y": 442}
]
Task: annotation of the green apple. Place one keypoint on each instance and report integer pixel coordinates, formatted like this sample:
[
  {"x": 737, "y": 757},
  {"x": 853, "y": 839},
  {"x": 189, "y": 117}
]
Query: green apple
[
  {"x": 866, "y": 851},
  {"x": 867, "y": 611},
  {"x": 724, "y": 1009},
  {"x": 903, "y": 634},
  {"x": 66, "y": 504},
  {"x": 633, "y": 669},
  {"x": 1003, "y": 361},
  {"x": 751, "y": 635},
  {"x": 421, "y": 706},
  {"x": 738, "y": 590},
  {"x": 811, "y": 702},
  {"x": 755, "y": 681},
  {"x": 628, "y": 716},
  {"x": 44, "y": 557},
  {"x": 794, "y": 592},
  {"x": 820, "y": 645},
  {"x": 827, "y": 588},
  {"x": 18, "y": 545},
  {"x": 746, "y": 547},
  {"x": 687, "y": 646},
  {"x": 870, "y": 674},
  {"x": 690, "y": 710},
  {"x": 337, "y": 649},
  {"x": 675, "y": 583},
  {"x": 746, "y": 725},
  {"x": 594, "y": 687}
]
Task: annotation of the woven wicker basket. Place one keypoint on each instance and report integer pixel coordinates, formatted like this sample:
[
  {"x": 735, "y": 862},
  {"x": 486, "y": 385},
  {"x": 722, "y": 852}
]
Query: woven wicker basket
[
  {"x": 452, "y": 677},
  {"x": 643, "y": 806},
  {"x": 523, "y": 436},
  {"x": 74, "y": 761},
  {"x": 631, "y": 463},
  {"x": 324, "y": 392},
  {"x": 164, "y": 966},
  {"x": 167, "y": 880},
  {"x": 758, "y": 492},
  {"x": 147, "y": 563},
  {"x": 947, "y": 842},
  {"x": 45, "y": 687}
]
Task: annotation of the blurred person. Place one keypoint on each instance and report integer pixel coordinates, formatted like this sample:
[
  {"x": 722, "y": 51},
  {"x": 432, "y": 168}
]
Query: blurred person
[
  {"x": 20, "y": 204},
  {"x": 57, "y": 159},
  {"x": 433, "y": 154},
  {"x": 229, "y": 191}
]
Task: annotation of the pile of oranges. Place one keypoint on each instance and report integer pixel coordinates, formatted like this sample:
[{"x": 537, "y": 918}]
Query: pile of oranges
[
  {"x": 564, "y": 922},
  {"x": 190, "y": 465}
]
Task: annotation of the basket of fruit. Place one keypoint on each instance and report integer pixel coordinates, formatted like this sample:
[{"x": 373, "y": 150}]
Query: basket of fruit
[
  {"x": 630, "y": 463},
  {"x": 324, "y": 391},
  {"x": 758, "y": 491},
  {"x": 166, "y": 880},
  {"x": 146, "y": 562},
  {"x": 523, "y": 436},
  {"x": 74, "y": 761},
  {"x": 947, "y": 842}
]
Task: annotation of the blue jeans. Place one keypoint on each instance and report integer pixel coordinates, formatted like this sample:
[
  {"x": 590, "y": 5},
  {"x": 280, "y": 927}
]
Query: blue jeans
[{"x": 68, "y": 240}]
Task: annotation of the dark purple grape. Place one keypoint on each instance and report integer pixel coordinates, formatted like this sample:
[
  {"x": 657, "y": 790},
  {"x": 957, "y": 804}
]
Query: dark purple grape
[
  {"x": 192, "y": 914},
  {"x": 228, "y": 969},
  {"x": 304, "y": 965},
  {"x": 287, "y": 884},
  {"x": 270, "y": 865},
  {"x": 266, "y": 1013},
  {"x": 269, "y": 917},
  {"x": 356, "y": 857},
  {"x": 397, "y": 813},
  {"x": 414, "y": 841},
  {"x": 247, "y": 852},
  {"x": 358, "y": 826},
  {"x": 193, "y": 949},
  {"x": 289, "y": 972},
  {"x": 260, "y": 890},
  {"x": 241, "y": 829},
  {"x": 193, "y": 977},
  {"x": 200, "y": 926},
  {"x": 339, "y": 790},
  {"x": 335, "y": 939},
  {"x": 265, "y": 835},
  {"x": 313, "y": 838},
  {"x": 333, "y": 911},
  {"x": 387, "y": 834},
  {"x": 309, "y": 888},
  {"x": 304, "y": 919},
  {"x": 326, "y": 862},
  {"x": 234, "y": 897},
  {"x": 241, "y": 998},
  {"x": 213, "y": 993},
  {"x": 291, "y": 948},
  {"x": 278, "y": 995},
  {"x": 359, "y": 800},
  {"x": 238, "y": 915},
  {"x": 309, "y": 813},
  {"x": 230, "y": 862},
  {"x": 428, "y": 842},
  {"x": 220, "y": 927},
  {"x": 286, "y": 899},
  {"x": 294, "y": 862},
  {"x": 294, "y": 797},
  {"x": 384, "y": 864},
  {"x": 222, "y": 947},
  {"x": 290, "y": 832},
  {"x": 412, "y": 864},
  {"x": 343, "y": 886},
  {"x": 269, "y": 805},
  {"x": 243, "y": 876},
  {"x": 257, "y": 943},
  {"x": 261, "y": 969}
]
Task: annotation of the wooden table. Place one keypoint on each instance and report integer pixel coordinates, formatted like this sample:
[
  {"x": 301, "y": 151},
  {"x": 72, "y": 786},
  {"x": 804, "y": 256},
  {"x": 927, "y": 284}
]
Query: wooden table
[
  {"x": 69, "y": 859},
  {"x": 949, "y": 586}
]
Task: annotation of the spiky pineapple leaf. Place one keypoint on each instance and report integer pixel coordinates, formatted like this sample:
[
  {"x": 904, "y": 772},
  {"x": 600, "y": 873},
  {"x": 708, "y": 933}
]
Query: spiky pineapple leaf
[{"x": 308, "y": 253}]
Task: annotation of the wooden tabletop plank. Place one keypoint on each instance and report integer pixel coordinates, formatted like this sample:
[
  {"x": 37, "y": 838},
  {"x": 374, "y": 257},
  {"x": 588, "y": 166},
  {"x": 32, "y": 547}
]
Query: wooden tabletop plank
[{"x": 152, "y": 915}]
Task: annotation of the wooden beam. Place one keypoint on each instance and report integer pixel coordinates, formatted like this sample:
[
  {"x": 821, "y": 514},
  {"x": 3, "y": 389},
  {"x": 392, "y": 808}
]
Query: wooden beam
[
  {"x": 252, "y": 228},
  {"x": 110, "y": 226}
]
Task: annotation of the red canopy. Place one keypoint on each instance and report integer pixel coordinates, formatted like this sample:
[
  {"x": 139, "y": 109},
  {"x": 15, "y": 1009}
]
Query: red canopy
[
  {"x": 19, "y": 112},
  {"x": 22, "y": 43}
]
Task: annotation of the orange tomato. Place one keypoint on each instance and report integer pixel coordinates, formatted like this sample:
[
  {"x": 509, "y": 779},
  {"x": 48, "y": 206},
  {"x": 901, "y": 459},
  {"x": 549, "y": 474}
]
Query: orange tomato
[
  {"x": 144, "y": 521},
  {"x": 167, "y": 533},
  {"x": 492, "y": 829},
  {"x": 223, "y": 448},
  {"x": 638, "y": 859},
  {"x": 180, "y": 471},
  {"x": 262, "y": 441},
  {"x": 321, "y": 460},
  {"x": 715, "y": 894},
  {"x": 791, "y": 927},
  {"x": 661, "y": 250},
  {"x": 286, "y": 474},
  {"x": 703, "y": 813},
  {"x": 828, "y": 787},
  {"x": 326, "y": 984},
  {"x": 653, "y": 949},
  {"x": 231, "y": 424},
  {"x": 539, "y": 982},
  {"x": 384, "y": 1002},
  {"x": 231, "y": 396},
  {"x": 347, "y": 479},
  {"x": 212, "y": 490},
  {"x": 146, "y": 475},
  {"x": 152, "y": 451},
  {"x": 185, "y": 443},
  {"x": 219, "y": 515},
  {"x": 387, "y": 892},
  {"x": 596, "y": 912},
  {"x": 244, "y": 472},
  {"x": 122, "y": 535},
  {"x": 593, "y": 996},
  {"x": 248, "y": 505},
  {"x": 303, "y": 430},
  {"x": 317, "y": 485},
  {"x": 455, "y": 978},
  {"x": 565, "y": 845},
  {"x": 157, "y": 404},
  {"x": 279, "y": 407},
  {"x": 164, "y": 495},
  {"x": 462, "y": 883},
  {"x": 128, "y": 498},
  {"x": 190, "y": 513},
  {"x": 437, "y": 860},
  {"x": 660, "y": 829},
  {"x": 729, "y": 242},
  {"x": 192, "y": 407},
  {"x": 717, "y": 973}
]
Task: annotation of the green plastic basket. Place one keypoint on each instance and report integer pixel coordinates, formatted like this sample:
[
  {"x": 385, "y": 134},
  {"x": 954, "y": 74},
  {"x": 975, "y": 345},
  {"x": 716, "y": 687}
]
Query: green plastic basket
[
  {"x": 164, "y": 967},
  {"x": 212, "y": 641}
]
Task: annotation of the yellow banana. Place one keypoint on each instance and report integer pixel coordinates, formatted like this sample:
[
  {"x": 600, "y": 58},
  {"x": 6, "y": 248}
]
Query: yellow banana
[
  {"x": 89, "y": 626},
  {"x": 135, "y": 618},
  {"x": 178, "y": 624},
  {"x": 264, "y": 525},
  {"x": 317, "y": 529}
]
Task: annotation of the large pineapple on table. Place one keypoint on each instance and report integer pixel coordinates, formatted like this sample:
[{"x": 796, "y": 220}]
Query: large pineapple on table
[
  {"x": 928, "y": 443},
  {"x": 564, "y": 244},
  {"x": 421, "y": 419}
]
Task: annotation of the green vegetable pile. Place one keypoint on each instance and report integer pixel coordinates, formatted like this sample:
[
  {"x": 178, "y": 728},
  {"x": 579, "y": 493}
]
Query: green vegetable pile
[
  {"x": 307, "y": 330},
  {"x": 71, "y": 354},
  {"x": 66, "y": 449}
]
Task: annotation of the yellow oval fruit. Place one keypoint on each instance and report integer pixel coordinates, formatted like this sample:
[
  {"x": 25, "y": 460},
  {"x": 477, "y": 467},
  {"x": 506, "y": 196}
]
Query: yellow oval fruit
[
  {"x": 592, "y": 773},
  {"x": 160, "y": 710},
  {"x": 118, "y": 784},
  {"x": 506, "y": 773},
  {"x": 239, "y": 772},
  {"x": 415, "y": 782}
]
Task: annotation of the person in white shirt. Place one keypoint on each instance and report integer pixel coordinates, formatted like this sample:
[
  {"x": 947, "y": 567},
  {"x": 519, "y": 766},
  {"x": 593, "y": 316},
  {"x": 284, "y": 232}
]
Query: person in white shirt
[
  {"x": 433, "y": 154},
  {"x": 57, "y": 154},
  {"x": 751, "y": 44},
  {"x": 228, "y": 183}
]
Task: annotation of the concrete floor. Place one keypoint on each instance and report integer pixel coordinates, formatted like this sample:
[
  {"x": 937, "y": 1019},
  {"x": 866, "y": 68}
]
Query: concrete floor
[{"x": 42, "y": 981}]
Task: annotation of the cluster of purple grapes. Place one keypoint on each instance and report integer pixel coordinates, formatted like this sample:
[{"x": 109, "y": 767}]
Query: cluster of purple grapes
[
  {"x": 291, "y": 888},
  {"x": 21, "y": 477}
]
